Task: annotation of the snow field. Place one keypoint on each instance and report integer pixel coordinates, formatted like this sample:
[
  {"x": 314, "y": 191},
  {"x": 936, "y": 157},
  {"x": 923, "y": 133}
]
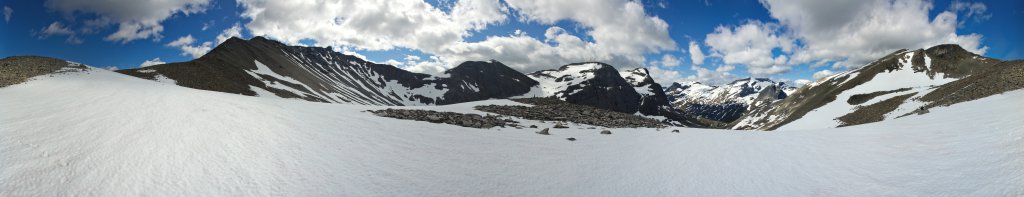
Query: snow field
[{"x": 106, "y": 134}]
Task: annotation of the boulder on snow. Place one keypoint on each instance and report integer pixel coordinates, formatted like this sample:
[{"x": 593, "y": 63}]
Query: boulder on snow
[
  {"x": 571, "y": 139},
  {"x": 675, "y": 131},
  {"x": 560, "y": 125},
  {"x": 606, "y": 132},
  {"x": 544, "y": 132}
]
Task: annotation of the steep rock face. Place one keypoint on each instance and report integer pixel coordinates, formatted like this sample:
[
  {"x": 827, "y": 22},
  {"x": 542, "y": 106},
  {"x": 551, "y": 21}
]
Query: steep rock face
[
  {"x": 263, "y": 67},
  {"x": 592, "y": 83},
  {"x": 894, "y": 86},
  {"x": 653, "y": 100},
  {"x": 485, "y": 80},
  {"x": 728, "y": 102}
]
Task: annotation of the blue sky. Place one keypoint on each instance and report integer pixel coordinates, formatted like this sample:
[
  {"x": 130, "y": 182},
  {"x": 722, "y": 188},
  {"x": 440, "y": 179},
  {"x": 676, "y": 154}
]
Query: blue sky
[{"x": 790, "y": 40}]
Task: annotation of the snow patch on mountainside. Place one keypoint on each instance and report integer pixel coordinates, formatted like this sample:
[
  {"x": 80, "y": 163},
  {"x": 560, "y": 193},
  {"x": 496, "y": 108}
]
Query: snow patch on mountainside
[
  {"x": 413, "y": 95},
  {"x": 636, "y": 77},
  {"x": 555, "y": 82},
  {"x": 263, "y": 70},
  {"x": 163, "y": 79},
  {"x": 904, "y": 77}
]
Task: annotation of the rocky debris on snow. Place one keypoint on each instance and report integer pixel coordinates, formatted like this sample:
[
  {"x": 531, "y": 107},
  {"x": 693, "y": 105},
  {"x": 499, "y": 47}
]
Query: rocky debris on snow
[
  {"x": 858, "y": 99},
  {"x": 561, "y": 126},
  {"x": 675, "y": 131},
  {"x": 874, "y": 112},
  {"x": 452, "y": 118},
  {"x": 550, "y": 109},
  {"x": 606, "y": 132},
  {"x": 571, "y": 139},
  {"x": 18, "y": 69},
  {"x": 544, "y": 132},
  {"x": 533, "y": 126}
]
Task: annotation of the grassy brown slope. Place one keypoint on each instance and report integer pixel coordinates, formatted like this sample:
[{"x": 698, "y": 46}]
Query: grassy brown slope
[
  {"x": 874, "y": 112},
  {"x": 1002, "y": 77},
  {"x": 18, "y": 69}
]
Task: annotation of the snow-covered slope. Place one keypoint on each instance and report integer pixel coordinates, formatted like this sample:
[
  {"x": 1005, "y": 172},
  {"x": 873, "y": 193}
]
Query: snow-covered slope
[
  {"x": 99, "y": 133},
  {"x": 889, "y": 88},
  {"x": 727, "y": 102},
  {"x": 904, "y": 80}
]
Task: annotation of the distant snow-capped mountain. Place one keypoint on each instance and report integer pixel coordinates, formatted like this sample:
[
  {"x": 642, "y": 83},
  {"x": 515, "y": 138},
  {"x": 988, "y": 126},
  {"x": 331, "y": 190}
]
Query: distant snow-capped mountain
[
  {"x": 728, "y": 102},
  {"x": 601, "y": 85}
]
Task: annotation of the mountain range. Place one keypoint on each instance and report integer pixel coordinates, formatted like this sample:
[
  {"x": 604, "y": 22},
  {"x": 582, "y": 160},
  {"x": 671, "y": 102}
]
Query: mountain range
[{"x": 904, "y": 83}]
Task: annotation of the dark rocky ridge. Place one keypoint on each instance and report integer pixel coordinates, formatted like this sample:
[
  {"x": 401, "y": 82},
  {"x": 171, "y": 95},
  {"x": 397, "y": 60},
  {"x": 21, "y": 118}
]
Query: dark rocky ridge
[
  {"x": 452, "y": 118},
  {"x": 551, "y": 109},
  {"x": 656, "y": 103},
  {"x": 493, "y": 80},
  {"x": 18, "y": 69},
  {"x": 1001, "y": 77},
  {"x": 329, "y": 76},
  {"x": 606, "y": 90},
  {"x": 950, "y": 60}
]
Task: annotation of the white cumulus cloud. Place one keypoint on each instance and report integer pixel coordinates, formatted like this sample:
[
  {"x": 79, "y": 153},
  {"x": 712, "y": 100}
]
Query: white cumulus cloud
[
  {"x": 152, "y": 62},
  {"x": 663, "y": 76},
  {"x": 801, "y": 82},
  {"x": 233, "y": 31},
  {"x": 751, "y": 44},
  {"x": 417, "y": 25},
  {"x": 135, "y": 19},
  {"x": 185, "y": 43},
  {"x": 822, "y": 74},
  {"x": 59, "y": 29},
  {"x": 7, "y": 14},
  {"x": 668, "y": 60},
  {"x": 853, "y": 33},
  {"x": 720, "y": 75},
  {"x": 696, "y": 55}
]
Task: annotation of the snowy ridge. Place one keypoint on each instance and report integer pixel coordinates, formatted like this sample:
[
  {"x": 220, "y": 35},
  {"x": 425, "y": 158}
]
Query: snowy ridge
[
  {"x": 743, "y": 91},
  {"x": 889, "y": 88},
  {"x": 323, "y": 75},
  {"x": 557, "y": 82},
  {"x": 902, "y": 77},
  {"x": 349, "y": 80},
  {"x": 637, "y": 77}
]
